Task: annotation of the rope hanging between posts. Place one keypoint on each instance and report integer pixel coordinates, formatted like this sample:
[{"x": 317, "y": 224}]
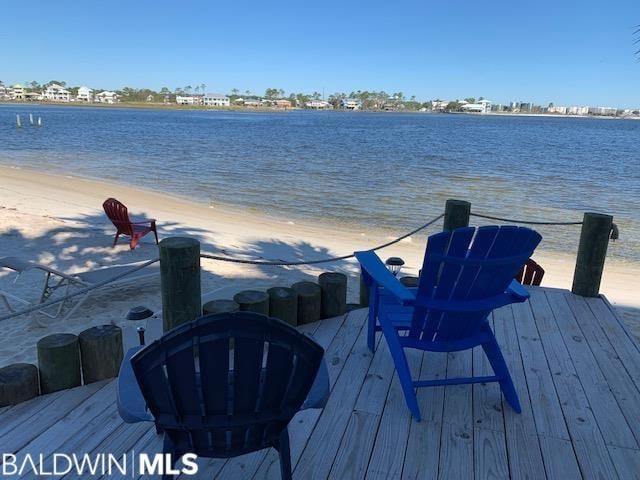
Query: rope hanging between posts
[
  {"x": 614, "y": 235},
  {"x": 323, "y": 260}
]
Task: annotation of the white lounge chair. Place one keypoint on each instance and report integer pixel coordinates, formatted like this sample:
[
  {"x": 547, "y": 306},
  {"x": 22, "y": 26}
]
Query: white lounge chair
[{"x": 56, "y": 280}]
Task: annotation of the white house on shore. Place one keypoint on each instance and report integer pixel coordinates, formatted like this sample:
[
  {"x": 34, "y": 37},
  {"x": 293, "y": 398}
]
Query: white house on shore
[
  {"x": 215, "y": 100},
  {"x": 188, "y": 100},
  {"x": 106, "y": 97},
  {"x": 17, "y": 92},
  {"x": 56, "y": 93},
  {"x": 85, "y": 94},
  {"x": 350, "y": 104},
  {"x": 481, "y": 106},
  {"x": 317, "y": 105}
]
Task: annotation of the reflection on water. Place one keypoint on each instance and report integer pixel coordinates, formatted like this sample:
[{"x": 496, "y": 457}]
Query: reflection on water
[{"x": 389, "y": 171}]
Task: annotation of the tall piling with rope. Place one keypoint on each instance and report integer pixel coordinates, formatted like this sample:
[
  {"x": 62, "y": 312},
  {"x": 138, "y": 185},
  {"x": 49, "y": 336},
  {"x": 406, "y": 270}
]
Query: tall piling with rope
[
  {"x": 592, "y": 251},
  {"x": 180, "y": 281}
]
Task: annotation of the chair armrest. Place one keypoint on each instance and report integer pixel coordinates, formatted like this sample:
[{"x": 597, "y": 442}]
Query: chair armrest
[
  {"x": 370, "y": 262},
  {"x": 131, "y": 404},
  {"x": 517, "y": 291},
  {"x": 319, "y": 392},
  {"x": 142, "y": 221}
]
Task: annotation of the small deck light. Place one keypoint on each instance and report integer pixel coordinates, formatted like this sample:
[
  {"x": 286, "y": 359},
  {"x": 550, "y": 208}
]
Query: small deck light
[
  {"x": 139, "y": 313},
  {"x": 394, "y": 264}
]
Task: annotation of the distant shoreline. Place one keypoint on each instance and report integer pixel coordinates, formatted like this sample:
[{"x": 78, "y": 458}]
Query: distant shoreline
[{"x": 198, "y": 108}]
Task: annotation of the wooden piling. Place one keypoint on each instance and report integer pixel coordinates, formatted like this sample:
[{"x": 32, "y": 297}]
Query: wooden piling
[
  {"x": 309, "y": 301},
  {"x": 252, "y": 301},
  {"x": 334, "y": 293},
  {"x": 220, "y": 306},
  {"x": 58, "y": 362},
  {"x": 101, "y": 352},
  {"x": 592, "y": 251},
  {"x": 456, "y": 214},
  {"x": 179, "y": 281},
  {"x": 283, "y": 304},
  {"x": 18, "y": 383}
]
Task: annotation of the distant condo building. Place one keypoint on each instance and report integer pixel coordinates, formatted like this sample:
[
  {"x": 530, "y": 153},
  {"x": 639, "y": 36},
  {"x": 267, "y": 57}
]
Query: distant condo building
[
  {"x": 215, "y": 100},
  {"x": 56, "y": 93},
  {"x": 85, "y": 94},
  {"x": 557, "y": 110},
  {"x": 439, "y": 105},
  {"x": 577, "y": 110},
  {"x": 107, "y": 97}
]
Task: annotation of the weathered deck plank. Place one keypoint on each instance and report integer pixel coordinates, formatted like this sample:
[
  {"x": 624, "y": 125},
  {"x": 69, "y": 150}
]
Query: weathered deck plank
[{"x": 567, "y": 356}]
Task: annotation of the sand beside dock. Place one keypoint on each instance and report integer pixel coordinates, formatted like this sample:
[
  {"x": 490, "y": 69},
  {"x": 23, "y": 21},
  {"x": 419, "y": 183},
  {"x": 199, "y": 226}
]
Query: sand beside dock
[{"x": 58, "y": 221}]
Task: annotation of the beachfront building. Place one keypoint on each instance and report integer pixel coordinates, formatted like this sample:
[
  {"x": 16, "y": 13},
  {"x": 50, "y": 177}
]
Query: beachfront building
[
  {"x": 252, "y": 102},
  {"x": 283, "y": 103},
  {"x": 17, "y": 92},
  {"x": 557, "y": 110},
  {"x": 3, "y": 92},
  {"x": 439, "y": 105},
  {"x": 350, "y": 104},
  {"x": 481, "y": 106},
  {"x": 216, "y": 100},
  {"x": 56, "y": 93},
  {"x": 85, "y": 94},
  {"x": 577, "y": 110},
  {"x": 317, "y": 105},
  {"x": 106, "y": 96},
  {"x": 603, "y": 111},
  {"x": 188, "y": 100}
]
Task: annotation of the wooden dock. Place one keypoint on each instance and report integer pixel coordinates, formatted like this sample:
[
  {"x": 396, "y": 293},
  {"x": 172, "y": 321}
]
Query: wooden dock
[{"x": 576, "y": 368}]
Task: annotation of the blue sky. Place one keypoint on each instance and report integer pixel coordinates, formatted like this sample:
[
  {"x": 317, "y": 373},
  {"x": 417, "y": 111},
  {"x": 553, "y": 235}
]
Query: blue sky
[{"x": 562, "y": 51}]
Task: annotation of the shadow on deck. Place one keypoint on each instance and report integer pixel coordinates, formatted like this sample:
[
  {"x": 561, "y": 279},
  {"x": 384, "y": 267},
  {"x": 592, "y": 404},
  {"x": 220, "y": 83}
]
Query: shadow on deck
[{"x": 576, "y": 368}]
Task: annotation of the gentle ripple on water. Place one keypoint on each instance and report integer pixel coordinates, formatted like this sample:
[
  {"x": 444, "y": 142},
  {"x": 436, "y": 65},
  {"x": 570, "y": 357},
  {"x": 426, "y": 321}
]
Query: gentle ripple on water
[{"x": 389, "y": 171}]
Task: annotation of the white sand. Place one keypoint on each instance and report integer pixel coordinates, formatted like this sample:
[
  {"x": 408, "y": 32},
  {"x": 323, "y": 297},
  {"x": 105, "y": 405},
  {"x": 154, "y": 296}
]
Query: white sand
[{"x": 58, "y": 221}]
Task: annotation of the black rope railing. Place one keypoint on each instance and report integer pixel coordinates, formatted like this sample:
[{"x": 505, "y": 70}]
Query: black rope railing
[{"x": 524, "y": 222}]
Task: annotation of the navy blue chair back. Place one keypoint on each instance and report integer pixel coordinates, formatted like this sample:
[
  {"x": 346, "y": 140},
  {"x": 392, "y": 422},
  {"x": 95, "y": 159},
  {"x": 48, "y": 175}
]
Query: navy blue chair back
[{"x": 227, "y": 384}]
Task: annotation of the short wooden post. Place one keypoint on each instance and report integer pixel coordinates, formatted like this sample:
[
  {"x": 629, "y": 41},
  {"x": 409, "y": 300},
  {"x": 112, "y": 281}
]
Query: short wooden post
[
  {"x": 456, "y": 214},
  {"x": 283, "y": 304},
  {"x": 101, "y": 352},
  {"x": 180, "y": 281},
  {"x": 252, "y": 301},
  {"x": 58, "y": 362},
  {"x": 334, "y": 293},
  {"x": 18, "y": 383},
  {"x": 220, "y": 306},
  {"x": 364, "y": 293},
  {"x": 592, "y": 251},
  {"x": 309, "y": 301}
]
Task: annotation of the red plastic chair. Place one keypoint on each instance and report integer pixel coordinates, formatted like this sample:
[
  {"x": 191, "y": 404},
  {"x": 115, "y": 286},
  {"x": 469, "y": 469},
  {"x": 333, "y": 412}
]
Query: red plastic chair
[
  {"x": 530, "y": 274},
  {"x": 119, "y": 216}
]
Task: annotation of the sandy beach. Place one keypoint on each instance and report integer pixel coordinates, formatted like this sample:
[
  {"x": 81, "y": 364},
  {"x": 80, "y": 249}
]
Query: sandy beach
[{"x": 58, "y": 221}]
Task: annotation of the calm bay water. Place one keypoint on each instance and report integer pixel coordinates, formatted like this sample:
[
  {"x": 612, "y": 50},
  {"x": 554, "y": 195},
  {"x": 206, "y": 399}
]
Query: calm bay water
[{"x": 387, "y": 171}]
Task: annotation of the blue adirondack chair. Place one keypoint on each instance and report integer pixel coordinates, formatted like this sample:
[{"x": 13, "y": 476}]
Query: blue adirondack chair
[
  {"x": 466, "y": 274},
  {"x": 216, "y": 404}
]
